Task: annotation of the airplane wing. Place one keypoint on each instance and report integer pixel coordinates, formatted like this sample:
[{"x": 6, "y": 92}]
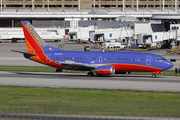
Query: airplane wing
[{"x": 76, "y": 65}]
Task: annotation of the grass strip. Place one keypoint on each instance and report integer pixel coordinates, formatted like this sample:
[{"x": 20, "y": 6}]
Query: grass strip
[
  {"x": 33, "y": 69},
  {"x": 51, "y": 69},
  {"x": 76, "y": 101}
]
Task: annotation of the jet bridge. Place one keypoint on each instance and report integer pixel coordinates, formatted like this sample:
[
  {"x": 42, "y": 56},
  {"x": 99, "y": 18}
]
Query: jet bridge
[
  {"x": 72, "y": 36},
  {"x": 144, "y": 40},
  {"x": 97, "y": 37}
]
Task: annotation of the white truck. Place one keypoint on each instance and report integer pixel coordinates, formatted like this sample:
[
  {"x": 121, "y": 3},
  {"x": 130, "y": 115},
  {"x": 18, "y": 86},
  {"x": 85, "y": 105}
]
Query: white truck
[{"x": 113, "y": 46}]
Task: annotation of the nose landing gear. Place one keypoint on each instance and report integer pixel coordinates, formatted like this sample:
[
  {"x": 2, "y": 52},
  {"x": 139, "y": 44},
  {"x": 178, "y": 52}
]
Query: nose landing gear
[
  {"x": 155, "y": 72},
  {"x": 153, "y": 76}
]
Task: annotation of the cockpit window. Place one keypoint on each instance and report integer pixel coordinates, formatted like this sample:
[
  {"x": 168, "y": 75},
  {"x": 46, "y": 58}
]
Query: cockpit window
[{"x": 160, "y": 59}]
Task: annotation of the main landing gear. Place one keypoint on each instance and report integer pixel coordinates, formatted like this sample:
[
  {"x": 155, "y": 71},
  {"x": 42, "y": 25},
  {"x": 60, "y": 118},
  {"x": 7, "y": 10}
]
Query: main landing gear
[
  {"x": 153, "y": 75},
  {"x": 90, "y": 74}
]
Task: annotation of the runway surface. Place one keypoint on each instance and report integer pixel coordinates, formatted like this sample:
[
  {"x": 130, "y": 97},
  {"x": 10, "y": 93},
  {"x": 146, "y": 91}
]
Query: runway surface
[{"x": 77, "y": 80}]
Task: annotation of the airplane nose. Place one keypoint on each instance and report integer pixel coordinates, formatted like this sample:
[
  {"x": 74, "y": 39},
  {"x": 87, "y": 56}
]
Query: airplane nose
[{"x": 169, "y": 65}]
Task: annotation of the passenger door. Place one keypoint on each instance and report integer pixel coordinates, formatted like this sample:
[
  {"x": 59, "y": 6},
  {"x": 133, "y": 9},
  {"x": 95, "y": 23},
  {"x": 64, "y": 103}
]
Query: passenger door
[{"x": 148, "y": 60}]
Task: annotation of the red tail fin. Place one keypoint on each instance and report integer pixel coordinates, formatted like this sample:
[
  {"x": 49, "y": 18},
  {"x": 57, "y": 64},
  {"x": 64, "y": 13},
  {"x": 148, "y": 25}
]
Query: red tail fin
[{"x": 33, "y": 40}]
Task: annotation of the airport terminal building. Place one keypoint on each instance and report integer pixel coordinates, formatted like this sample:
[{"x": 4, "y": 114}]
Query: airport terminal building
[
  {"x": 91, "y": 4},
  {"x": 58, "y": 13}
]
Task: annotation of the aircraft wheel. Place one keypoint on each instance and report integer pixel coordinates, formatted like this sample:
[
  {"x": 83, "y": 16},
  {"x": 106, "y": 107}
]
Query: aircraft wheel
[
  {"x": 90, "y": 74},
  {"x": 153, "y": 76},
  {"x": 58, "y": 70}
]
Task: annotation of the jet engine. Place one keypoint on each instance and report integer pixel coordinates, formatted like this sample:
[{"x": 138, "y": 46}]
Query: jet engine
[{"x": 105, "y": 70}]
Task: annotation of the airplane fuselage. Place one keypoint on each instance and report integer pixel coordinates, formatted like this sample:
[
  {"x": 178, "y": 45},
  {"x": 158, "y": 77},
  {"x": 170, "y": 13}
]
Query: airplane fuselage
[{"x": 122, "y": 61}]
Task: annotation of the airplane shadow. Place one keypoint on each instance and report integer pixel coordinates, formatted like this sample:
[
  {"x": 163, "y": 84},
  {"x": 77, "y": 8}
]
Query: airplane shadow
[{"x": 77, "y": 75}]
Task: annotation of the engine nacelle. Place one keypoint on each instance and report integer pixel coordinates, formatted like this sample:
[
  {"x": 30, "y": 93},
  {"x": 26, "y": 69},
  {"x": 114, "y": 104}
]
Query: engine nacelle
[{"x": 105, "y": 70}]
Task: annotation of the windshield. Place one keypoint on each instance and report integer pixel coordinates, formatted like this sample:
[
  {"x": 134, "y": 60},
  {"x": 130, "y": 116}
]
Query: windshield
[{"x": 160, "y": 59}]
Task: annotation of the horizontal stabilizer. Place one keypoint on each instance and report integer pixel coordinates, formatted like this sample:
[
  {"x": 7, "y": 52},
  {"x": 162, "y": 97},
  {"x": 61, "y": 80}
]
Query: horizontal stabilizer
[{"x": 31, "y": 54}]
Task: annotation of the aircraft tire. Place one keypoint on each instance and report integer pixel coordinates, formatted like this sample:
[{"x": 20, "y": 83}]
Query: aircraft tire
[
  {"x": 153, "y": 76},
  {"x": 90, "y": 74},
  {"x": 58, "y": 70}
]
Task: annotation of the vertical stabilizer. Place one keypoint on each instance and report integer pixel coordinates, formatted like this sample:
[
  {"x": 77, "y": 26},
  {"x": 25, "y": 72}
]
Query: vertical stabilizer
[
  {"x": 33, "y": 41},
  {"x": 36, "y": 45}
]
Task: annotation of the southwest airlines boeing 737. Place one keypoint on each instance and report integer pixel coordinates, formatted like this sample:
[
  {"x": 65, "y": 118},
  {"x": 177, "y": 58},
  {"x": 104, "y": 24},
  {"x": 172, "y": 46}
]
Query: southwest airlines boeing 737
[{"x": 101, "y": 63}]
